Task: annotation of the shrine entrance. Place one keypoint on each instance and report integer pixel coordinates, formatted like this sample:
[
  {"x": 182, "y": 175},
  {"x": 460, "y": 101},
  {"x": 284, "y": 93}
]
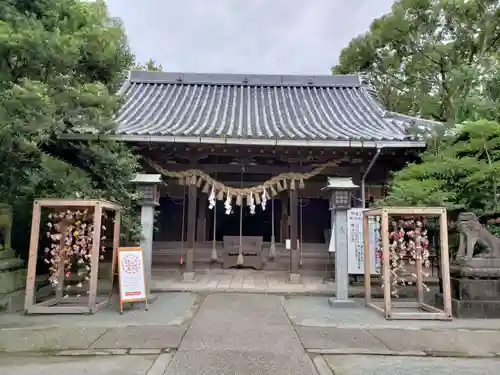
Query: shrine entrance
[
  {"x": 257, "y": 224},
  {"x": 236, "y": 143}
]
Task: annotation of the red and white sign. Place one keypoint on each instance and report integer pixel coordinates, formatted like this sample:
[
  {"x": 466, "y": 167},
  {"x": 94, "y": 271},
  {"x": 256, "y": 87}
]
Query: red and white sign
[{"x": 132, "y": 281}]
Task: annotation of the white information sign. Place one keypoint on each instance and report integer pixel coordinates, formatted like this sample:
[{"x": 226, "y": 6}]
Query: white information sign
[
  {"x": 131, "y": 271},
  {"x": 355, "y": 244}
]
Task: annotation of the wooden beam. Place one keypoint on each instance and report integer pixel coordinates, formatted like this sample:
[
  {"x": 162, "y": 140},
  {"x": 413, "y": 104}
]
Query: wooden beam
[
  {"x": 284, "y": 234},
  {"x": 32, "y": 260},
  {"x": 266, "y": 169},
  {"x": 386, "y": 272},
  {"x": 445, "y": 263},
  {"x": 76, "y": 203},
  {"x": 191, "y": 227},
  {"x": 294, "y": 254},
  {"x": 367, "y": 260},
  {"x": 96, "y": 240}
]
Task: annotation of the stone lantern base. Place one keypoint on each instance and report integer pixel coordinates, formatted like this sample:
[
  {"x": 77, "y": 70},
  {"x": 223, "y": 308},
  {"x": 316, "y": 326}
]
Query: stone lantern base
[{"x": 12, "y": 279}]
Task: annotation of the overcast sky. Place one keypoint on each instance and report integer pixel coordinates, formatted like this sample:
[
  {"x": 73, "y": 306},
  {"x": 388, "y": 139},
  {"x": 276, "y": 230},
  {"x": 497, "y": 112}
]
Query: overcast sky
[{"x": 245, "y": 36}]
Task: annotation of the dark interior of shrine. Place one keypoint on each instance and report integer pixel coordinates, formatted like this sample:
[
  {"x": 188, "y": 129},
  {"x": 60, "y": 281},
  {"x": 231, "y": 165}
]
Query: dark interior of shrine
[{"x": 314, "y": 218}]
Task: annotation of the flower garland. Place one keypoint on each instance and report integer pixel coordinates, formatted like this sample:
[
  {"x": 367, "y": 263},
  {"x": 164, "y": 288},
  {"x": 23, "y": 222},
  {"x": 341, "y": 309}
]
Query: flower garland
[
  {"x": 71, "y": 235},
  {"x": 259, "y": 194},
  {"x": 408, "y": 239}
]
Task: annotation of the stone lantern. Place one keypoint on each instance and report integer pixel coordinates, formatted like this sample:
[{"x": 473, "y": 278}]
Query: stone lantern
[
  {"x": 149, "y": 187},
  {"x": 340, "y": 202}
]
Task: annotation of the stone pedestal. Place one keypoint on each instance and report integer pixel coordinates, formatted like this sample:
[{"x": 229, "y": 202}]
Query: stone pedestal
[
  {"x": 12, "y": 271},
  {"x": 475, "y": 288},
  {"x": 339, "y": 233},
  {"x": 147, "y": 223}
]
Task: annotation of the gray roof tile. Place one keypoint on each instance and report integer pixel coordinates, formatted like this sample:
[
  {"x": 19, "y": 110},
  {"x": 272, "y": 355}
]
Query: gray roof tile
[{"x": 256, "y": 106}]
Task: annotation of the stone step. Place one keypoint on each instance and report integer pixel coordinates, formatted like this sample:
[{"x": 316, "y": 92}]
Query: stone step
[
  {"x": 12, "y": 280},
  {"x": 7, "y": 253}
]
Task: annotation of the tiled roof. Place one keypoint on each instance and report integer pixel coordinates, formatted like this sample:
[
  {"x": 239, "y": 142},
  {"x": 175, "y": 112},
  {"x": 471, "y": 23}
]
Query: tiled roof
[{"x": 256, "y": 107}]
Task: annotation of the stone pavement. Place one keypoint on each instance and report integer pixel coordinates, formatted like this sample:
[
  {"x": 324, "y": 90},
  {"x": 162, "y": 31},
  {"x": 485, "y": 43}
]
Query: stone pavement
[
  {"x": 251, "y": 281},
  {"x": 374, "y": 365},
  {"x": 227, "y": 333}
]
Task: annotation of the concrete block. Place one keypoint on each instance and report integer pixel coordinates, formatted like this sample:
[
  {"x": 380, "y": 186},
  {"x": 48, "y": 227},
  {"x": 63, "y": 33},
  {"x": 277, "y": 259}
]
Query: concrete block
[
  {"x": 160, "y": 365},
  {"x": 294, "y": 278},
  {"x": 12, "y": 280},
  {"x": 139, "y": 351},
  {"x": 188, "y": 277}
]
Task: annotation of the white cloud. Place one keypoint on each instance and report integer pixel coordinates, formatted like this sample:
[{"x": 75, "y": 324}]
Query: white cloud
[{"x": 245, "y": 36}]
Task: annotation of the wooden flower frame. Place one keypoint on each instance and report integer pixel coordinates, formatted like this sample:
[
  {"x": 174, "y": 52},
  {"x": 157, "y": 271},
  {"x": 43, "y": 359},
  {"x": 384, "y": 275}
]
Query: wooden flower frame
[
  {"x": 70, "y": 305},
  {"x": 426, "y": 312}
]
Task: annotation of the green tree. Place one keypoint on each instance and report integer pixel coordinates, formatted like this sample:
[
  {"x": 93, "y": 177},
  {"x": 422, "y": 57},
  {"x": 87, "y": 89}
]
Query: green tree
[
  {"x": 150, "y": 66},
  {"x": 437, "y": 59},
  {"x": 61, "y": 63},
  {"x": 464, "y": 174}
]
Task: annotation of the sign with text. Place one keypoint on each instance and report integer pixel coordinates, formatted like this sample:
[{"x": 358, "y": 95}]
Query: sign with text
[
  {"x": 131, "y": 274},
  {"x": 355, "y": 242}
]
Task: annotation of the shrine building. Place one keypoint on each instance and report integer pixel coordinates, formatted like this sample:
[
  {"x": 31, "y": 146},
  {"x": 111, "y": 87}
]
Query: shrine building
[{"x": 245, "y": 159}]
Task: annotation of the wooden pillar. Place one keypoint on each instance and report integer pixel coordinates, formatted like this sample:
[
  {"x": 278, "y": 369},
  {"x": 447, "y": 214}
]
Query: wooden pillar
[
  {"x": 201, "y": 227},
  {"x": 191, "y": 233},
  {"x": 284, "y": 218},
  {"x": 294, "y": 253}
]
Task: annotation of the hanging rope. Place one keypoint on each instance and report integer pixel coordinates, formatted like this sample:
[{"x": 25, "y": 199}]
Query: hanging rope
[{"x": 275, "y": 184}]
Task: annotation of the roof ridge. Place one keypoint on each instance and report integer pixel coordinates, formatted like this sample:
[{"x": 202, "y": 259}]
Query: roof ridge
[{"x": 347, "y": 80}]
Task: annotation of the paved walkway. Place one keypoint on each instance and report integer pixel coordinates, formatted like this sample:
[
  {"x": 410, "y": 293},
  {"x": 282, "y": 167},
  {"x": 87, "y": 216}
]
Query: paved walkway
[
  {"x": 227, "y": 333},
  {"x": 241, "y": 334},
  {"x": 251, "y": 281}
]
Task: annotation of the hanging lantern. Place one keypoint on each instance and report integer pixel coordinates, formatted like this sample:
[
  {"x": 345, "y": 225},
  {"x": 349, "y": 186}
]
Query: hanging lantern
[
  {"x": 301, "y": 184},
  {"x": 292, "y": 185},
  {"x": 279, "y": 187},
  {"x": 285, "y": 185}
]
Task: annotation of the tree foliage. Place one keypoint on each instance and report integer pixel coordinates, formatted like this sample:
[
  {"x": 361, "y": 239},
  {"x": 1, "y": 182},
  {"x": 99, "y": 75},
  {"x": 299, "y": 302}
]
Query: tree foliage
[
  {"x": 439, "y": 59},
  {"x": 463, "y": 174},
  {"x": 436, "y": 59},
  {"x": 150, "y": 66},
  {"x": 61, "y": 61}
]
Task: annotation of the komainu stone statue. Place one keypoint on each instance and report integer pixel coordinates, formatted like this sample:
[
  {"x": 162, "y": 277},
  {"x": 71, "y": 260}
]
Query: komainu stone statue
[
  {"x": 473, "y": 232},
  {"x": 475, "y": 279}
]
